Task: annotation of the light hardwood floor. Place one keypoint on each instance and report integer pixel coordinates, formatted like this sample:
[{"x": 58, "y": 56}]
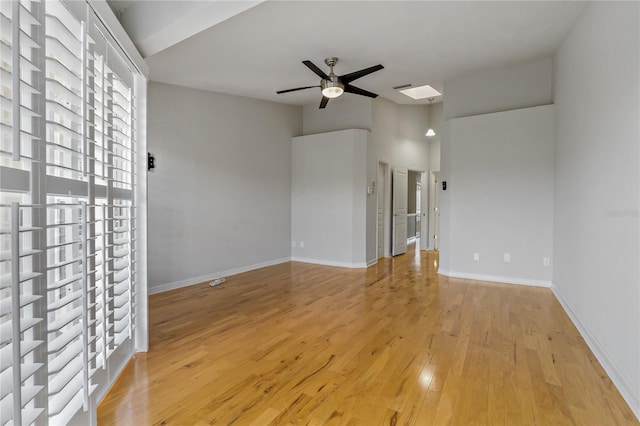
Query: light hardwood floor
[{"x": 394, "y": 344}]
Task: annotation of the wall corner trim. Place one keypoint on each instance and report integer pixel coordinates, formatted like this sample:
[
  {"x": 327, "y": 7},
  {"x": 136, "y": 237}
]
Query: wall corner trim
[
  {"x": 495, "y": 278},
  {"x": 198, "y": 280},
  {"x": 619, "y": 380}
]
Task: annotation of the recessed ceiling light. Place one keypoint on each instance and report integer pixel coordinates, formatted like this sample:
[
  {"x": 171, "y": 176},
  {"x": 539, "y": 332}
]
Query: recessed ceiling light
[{"x": 421, "y": 92}]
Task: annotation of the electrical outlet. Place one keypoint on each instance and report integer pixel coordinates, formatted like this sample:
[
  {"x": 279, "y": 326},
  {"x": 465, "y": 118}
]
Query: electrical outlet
[
  {"x": 293, "y": 243},
  {"x": 546, "y": 261},
  {"x": 476, "y": 256},
  {"x": 507, "y": 257},
  {"x": 301, "y": 244}
]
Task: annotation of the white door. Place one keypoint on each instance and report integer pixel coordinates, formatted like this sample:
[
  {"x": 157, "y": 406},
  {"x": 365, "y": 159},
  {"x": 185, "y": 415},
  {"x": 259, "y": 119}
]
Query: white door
[
  {"x": 399, "y": 212},
  {"x": 380, "y": 188},
  {"x": 436, "y": 213}
]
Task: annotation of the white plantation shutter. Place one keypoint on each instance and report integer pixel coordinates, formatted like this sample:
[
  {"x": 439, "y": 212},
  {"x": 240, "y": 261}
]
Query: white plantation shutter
[
  {"x": 69, "y": 240},
  {"x": 23, "y": 384}
]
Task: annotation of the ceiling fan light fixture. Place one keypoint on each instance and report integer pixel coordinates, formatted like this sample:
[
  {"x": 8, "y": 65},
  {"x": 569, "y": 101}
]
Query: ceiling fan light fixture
[
  {"x": 332, "y": 85},
  {"x": 332, "y": 89}
]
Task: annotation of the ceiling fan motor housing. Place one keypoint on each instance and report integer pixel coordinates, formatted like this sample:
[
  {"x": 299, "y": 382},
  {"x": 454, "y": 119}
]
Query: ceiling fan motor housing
[{"x": 331, "y": 62}]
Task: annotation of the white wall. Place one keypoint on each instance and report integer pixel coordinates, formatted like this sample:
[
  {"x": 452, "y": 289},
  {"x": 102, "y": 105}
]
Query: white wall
[
  {"x": 500, "y": 190},
  {"x": 483, "y": 92},
  {"x": 499, "y": 89},
  {"x": 596, "y": 236},
  {"x": 220, "y": 196},
  {"x": 328, "y": 198},
  {"x": 345, "y": 112}
]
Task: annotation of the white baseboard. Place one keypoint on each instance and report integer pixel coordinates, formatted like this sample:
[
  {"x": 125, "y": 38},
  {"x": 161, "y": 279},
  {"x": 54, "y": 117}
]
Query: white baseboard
[
  {"x": 619, "y": 380},
  {"x": 331, "y": 263},
  {"x": 495, "y": 278},
  {"x": 372, "y": 262},
  {"x": 209, "y": 277}
]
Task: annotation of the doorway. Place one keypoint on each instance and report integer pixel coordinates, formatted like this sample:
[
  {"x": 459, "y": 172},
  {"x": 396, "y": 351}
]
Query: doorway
[
  {"x": 408, "y": 219},
  {"x": 404, "y": 219}
]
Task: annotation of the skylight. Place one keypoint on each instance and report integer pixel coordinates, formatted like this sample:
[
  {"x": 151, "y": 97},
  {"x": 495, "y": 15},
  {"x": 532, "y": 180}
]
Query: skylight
[{"x": 421, "y": 92}]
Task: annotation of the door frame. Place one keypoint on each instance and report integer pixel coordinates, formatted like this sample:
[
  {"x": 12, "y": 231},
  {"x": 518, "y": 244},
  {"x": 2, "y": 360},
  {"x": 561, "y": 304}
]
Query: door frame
[
  {"x": 434, "y": 180},
  {"x": 385, "y": 187},
  {"x": 424, "y": 207}
]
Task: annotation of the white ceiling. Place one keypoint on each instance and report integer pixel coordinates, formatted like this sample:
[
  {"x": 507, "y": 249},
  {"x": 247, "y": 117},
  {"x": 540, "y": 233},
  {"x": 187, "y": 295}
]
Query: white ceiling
[
  {"x": 260, "y": 50},
  {"x": 155, "y": 25}
]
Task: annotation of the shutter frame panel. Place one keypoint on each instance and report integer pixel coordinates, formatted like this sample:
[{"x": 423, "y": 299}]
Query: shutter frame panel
[{"x": 67, "y": 123}]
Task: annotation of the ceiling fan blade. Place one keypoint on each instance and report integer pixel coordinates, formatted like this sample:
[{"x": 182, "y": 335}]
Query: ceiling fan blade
[
  {"x": 348, "y": 78},
  {"x": 293, "y": 90},
  {"x": 323, "y": 102},
  {"x": 358, "y": 91},
  {"x": 316, "y": 70}
]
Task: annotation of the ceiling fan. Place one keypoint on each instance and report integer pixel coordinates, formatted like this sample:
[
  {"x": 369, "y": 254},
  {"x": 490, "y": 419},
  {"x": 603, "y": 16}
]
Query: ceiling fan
[{"x": 333, "y": 85}]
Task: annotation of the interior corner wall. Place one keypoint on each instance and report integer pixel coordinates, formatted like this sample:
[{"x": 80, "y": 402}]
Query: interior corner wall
[
  {"x": 342, "y": 113},
  {"x": 435, "y": 115},
  {"x": 328, "y": 198},
  {"x": 436, "y": 123},
  {"x": 397, "y": 134},
  {"x": 220, "y": 196},
  {"x": 500, "y": 196},
  {"x": 499, "y": 89},
  {"x": 596, "y": 221}
]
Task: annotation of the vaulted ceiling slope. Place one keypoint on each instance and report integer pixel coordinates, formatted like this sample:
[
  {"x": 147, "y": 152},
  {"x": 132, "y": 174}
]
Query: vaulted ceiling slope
[{"x": 259, "y": 51}]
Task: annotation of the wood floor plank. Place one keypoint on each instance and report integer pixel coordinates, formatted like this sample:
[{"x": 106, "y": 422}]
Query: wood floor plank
[{"x": 393, "y": 344}]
